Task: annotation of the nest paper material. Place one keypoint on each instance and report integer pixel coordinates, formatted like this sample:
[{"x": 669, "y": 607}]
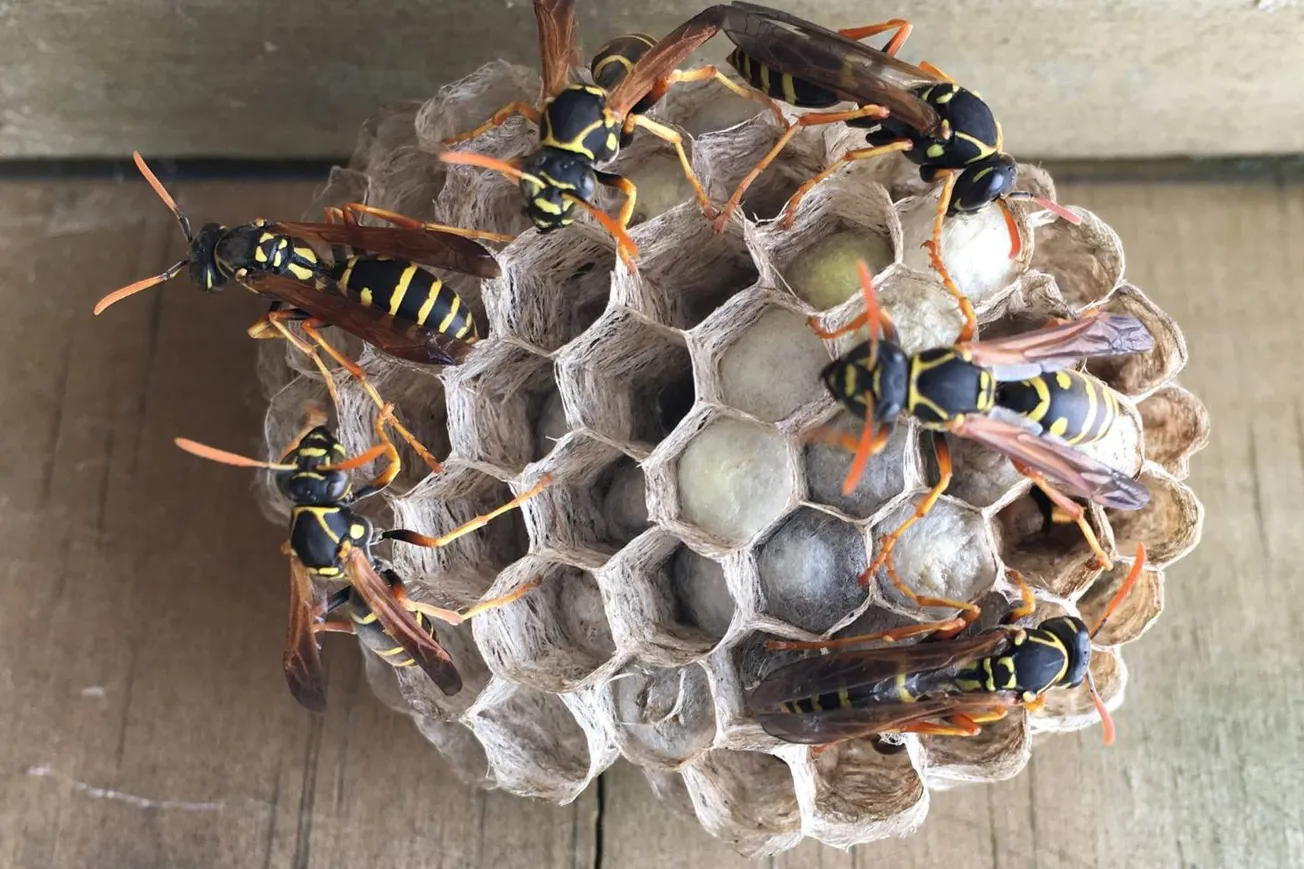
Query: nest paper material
[{"x": 689, "y": 519}]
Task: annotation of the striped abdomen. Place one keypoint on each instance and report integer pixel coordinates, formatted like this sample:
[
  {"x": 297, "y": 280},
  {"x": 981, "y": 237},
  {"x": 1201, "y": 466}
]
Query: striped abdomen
[
  {"x": 373, "y": 636},
  {"x": 1068, "y": 404},
  {"x": 407, "y": 292},
  {"x": 905, "y": 688},
  {"x": 614, "y": 60},
  {"x": 780, "y": 85}
]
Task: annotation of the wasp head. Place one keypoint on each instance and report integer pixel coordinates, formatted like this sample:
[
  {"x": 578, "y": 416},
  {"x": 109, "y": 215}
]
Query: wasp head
[
  {"x": 983, "y": 183},
  {"x": 308, "y": 483},
  {"x": 854, "y": 379},
  {"x": 204, "y": 270},
  {"x": 563, "y": 174}
]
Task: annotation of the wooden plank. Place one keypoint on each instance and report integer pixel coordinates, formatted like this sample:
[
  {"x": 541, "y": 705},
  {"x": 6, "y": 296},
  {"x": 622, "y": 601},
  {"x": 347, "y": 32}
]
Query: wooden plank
[
  {"x": 146, "y": 719},
  {"x": 246, "y": 78},
  {"x": 1205, "y": 771}
]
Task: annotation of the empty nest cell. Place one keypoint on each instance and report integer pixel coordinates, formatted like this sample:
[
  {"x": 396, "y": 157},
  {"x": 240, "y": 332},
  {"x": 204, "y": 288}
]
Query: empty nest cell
[
  {"x": 629, "y": 380},
  {"x": 533, "y": 743},
  {"x": 670, "y": 605},
  {"x": 1169, "y": 526},
  {"x": 686, "y": 273},
  {"x": 555, "y": 637},
  {"x": 663, "y": 716},
  {"x": 746, "y": 798},
  {"x": 859, "y": 793},
  {"x": 1000, "y": 751},
  {"x": 1085, "y": 260},
  {"x": 495, "y": 402}
]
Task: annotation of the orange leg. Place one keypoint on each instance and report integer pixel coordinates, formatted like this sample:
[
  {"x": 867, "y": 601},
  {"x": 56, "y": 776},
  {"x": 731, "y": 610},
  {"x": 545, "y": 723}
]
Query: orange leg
[
  {"x": 888, "y": 542},
  {"x": 497, "y": 120},
  {"x": 790, "y": 210},
  {"x": 453, "y": 617},
  {"x": 959, "y": 725},
  {"x": 340, "y": 627},
  {"x": 626, "y": 214},
  {"x": 703, "y": 73},
  {"x": 1070, "y": 510},
  {"x": 889, "y": 636},
  {"x": 310, "y": 328},
  {"x": 900, "y": 25},
  {"x": 402, "y": 534},
  {"x": 661, "y": 131},
  {"x": 932, "y": 70},
  {"x": 386, "y": 449},
  {"x": 350, "y": 212},
  {"x": 873, "y": 439},
  {"x": 274, "y": 326},
  {"x": 934, "y": 246},
  {"x": 809, "y": 120},
  {"x": 1027, "y": 603}
]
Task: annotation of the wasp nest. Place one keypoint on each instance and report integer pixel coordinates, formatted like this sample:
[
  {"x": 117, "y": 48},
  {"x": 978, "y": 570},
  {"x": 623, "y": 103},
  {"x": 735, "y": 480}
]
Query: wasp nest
[{"x": 690, "y": 517}]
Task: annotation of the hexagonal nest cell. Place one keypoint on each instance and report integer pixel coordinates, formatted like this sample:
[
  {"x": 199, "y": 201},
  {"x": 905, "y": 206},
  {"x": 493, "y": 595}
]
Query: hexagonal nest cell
[{"x": 694, "y": 506}]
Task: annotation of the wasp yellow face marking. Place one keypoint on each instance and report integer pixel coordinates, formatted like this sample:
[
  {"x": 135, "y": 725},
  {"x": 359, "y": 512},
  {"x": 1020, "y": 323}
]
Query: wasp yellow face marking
[{"x": 404, "y": 281}]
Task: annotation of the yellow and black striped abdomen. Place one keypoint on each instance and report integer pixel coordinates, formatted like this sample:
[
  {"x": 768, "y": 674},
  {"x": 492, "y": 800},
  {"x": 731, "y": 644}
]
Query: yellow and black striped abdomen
[
  {"x": 614, "y": 60},
  {"x": 373, "y": 636},
  {"x": 1068, "y": 404},
  {"x": 781, "y": 86},
  {"x": 407, "y": 292}
]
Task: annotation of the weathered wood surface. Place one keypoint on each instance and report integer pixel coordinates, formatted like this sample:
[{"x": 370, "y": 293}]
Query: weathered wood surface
[
  {"x": 267, "y": 78},
  {"x": 146, "y": 724}
]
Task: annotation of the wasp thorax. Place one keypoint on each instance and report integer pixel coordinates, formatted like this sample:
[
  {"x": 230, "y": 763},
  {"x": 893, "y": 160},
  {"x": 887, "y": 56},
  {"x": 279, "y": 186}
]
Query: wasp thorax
[
  {"x": 563, "y": 175},
  {"x": 1072, "y": 632},
  {"x": 983, "y": 183},
  {"x": 204, "y": 270}
]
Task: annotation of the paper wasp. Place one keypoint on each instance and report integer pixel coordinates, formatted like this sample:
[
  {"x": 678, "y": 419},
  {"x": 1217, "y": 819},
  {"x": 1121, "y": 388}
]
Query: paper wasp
[
  {"x": 940, "y": 686},
  {"x": 918, "y": 110},
  {"x": 330, "y": 542},
  {"x": 381, "y": 296},
  {"x": 997, "y": 393},
  {"x": 582, "y": 125}
]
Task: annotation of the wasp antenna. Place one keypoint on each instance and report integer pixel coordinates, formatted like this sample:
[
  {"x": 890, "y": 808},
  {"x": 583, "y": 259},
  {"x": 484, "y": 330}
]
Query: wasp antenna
[
  {"x": 624, "y": 244},
  {"x": 484, "y": 161},
  {"x": 213, "y": 454},
  {"x": 163, "y": 194},
  {"x": 1050, "y": 205},
  {"x": 1105, "y": 721},
  {"x": 359, "y": 460},
  {"x": 132, "y": 289},
  {"x": 872, "y": 310},
  {"x": 1132, "y": 576}
]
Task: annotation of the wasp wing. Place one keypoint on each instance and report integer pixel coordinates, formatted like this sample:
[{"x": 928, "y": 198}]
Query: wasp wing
[
  {"x": 825, "y": 674},
  {"x": 663, "y": 58},
  {"x": 401, "y": 338},
  {"x": 818, "y": 728},
  {"x": 430, "y": 247},
  {"x": 1066, "y": 468},
  {"x": 1022, "y": 356},
  {"x": 400, "y": 625},
  {"x": 557, "y": 50},
  {"x": 858, "y": 73},
  {"x": 302, "y": 661}
]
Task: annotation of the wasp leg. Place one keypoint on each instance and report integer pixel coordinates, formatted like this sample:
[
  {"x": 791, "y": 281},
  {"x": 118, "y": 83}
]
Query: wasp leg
[
  {"x": 352, "y": 210},
  {"x": 393, "y": 464},
  {"x": 1027, "y": 603},
  {"x": 1071, "y": 510},
  {"x": 406, "y": 536},
  {"x": 889, "y": 636},
  {"x": 888, "y": 542},
  {"x": 703, "y": 73},
  {"x": 811, "y": 119},
  {"x": 310, "y": 328},
  {"x": 1035, "y": 705},
  {"x": 454, "y": 617},
  {"x": 790, "y": 210},
  {"x": 626, "y": 214},
  {"x": 274, "y": 326},
  {"x": 661, "y": 131},
  {"x": 497, "y": 120},
  {"x": 934, "y": 246},
  {"x": 932, "y": 70},
  {"x": 957, "y": 725},
  {"x": 340, "y": 627},
  {"x": 900, "y": 25}
]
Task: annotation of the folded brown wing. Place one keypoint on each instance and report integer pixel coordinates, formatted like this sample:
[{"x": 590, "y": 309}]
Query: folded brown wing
[
  {"x": 401, "y": 626},
  {"x": 1026, "y": 355},
  {"x": 557, "y": 50},
  {"x": 430, "y": 247},
  {"x": 1066, "y": 468},
  {"x": 818, "y": 728},
  {"x": 663, "y": 58},
  {"x": 302, "y": 662}
]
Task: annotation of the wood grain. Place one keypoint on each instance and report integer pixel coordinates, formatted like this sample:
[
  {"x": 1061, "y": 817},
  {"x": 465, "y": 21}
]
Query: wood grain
[
  {"x": 254, "y": 78},
  {"x": 145, "y": 719}
]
